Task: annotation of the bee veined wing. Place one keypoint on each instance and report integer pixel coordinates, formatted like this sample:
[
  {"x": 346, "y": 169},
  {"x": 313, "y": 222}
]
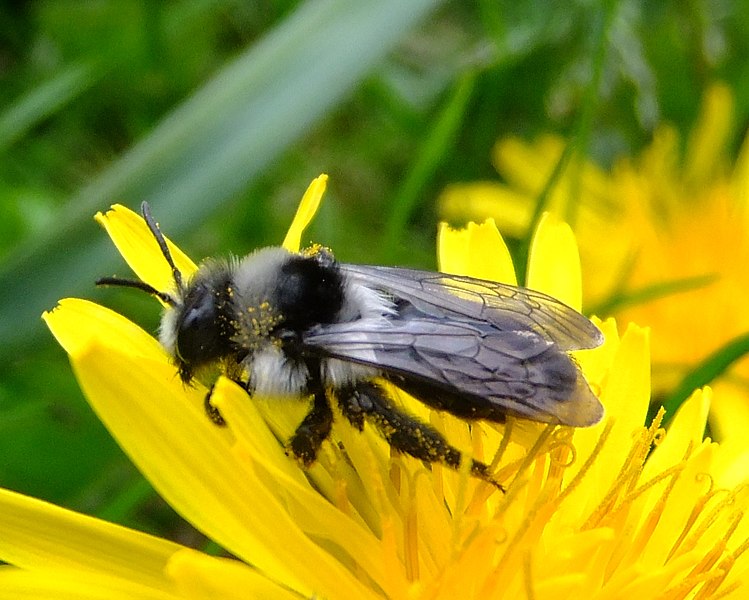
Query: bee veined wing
[
  {"x": 469, "y": 368},
  {"x": 505, "y": 306}
]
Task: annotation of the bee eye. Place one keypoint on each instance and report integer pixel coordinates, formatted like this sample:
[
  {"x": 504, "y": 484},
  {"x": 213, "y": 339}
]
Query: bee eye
[{"x": 200, "y": 337}]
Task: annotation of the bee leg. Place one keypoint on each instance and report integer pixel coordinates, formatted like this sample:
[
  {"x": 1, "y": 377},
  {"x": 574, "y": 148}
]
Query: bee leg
[
  {"x": 368, "y": 401},
  {"x": 313, "y": 430},
  {"x": 213, "y": 413}
]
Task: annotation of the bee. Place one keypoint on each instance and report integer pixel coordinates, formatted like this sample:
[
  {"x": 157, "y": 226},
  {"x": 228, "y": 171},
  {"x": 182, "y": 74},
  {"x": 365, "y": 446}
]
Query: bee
[{"x": 303, "y": 325}]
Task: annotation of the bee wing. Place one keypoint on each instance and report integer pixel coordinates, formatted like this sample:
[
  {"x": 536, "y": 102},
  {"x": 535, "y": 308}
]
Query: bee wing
[
  {"x": 505, "y": 306},
  {"x": 469, "y": 368}
]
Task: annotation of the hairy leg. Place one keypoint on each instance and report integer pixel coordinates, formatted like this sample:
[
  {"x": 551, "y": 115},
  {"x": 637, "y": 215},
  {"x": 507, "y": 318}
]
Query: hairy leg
[
  {"x": 211, "y": 411},
  {"x": 368, "y": 401},
  {"x": 313, "y": 430}
]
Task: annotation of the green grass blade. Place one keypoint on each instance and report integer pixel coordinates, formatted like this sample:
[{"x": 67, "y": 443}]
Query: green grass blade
[
  {"x": 712, "y": 367},
  {"x": 43, "y": 101},
  {"x": 210, "y": 147},
  {"x": 649, "y": 293},
  {"x": 430, "y": 156}
]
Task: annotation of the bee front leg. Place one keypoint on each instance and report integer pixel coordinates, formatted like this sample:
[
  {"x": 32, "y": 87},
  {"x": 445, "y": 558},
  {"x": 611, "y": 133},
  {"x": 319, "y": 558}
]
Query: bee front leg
[
  {"x": 368, "y": 401},
  {"x": 211, "y": 411}
]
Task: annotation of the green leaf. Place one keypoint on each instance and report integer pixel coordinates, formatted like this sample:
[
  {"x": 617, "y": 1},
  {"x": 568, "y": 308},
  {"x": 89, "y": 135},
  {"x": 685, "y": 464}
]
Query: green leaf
[
  {"x": 712, "y": 367},
  {"x": 577, "y": 146},
  {"x": 43, "y": 101},
  {"x": 662, "y": 289},
  {"x": 208, "y": 148},
  {"x": 427, "y": 161}
]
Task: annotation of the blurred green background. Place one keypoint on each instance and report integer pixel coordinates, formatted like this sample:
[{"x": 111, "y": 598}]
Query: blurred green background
[{"x": 219, "y": 113}]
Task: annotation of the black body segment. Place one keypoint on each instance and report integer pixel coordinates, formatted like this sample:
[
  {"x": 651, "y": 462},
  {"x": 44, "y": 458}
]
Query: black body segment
[
  {"x": 309, "y": 292},
  {"x": 206, "y": 324}
]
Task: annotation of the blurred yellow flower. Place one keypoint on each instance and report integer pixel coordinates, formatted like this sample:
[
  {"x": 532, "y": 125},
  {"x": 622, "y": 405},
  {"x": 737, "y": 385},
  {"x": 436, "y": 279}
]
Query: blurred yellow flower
[
  {"x": 663, "y": 239},
  {"x": 588, "y": 513}
]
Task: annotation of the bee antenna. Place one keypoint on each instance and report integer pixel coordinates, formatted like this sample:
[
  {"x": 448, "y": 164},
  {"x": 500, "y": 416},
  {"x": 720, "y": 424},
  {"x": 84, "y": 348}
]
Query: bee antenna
[
  {"x": 138, "y": 285},
  {"x": 154, "y": 227}
]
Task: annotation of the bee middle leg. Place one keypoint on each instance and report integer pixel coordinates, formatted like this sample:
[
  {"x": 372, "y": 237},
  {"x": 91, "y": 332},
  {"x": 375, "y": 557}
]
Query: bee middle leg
[
  {"x": 313, "y": 430},
  {"x": 309, "y": 435},
  {"x": 368, "y": 401}
]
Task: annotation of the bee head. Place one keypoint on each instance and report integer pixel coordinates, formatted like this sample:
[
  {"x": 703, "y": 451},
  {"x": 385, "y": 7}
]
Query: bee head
[
  {"x": 199, "y": 330},
  {"x": 197, "y": 327}
]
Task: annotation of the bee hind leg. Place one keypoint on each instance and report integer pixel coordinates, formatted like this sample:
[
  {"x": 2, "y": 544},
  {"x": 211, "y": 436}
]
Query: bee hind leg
[{"x": 368, "y": 401}]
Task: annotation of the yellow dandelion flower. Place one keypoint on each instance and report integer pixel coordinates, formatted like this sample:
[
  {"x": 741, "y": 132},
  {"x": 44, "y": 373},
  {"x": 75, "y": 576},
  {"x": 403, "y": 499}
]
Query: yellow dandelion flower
[
  {"x": 662, "y": 239},
  {"x": 612, "y": 511}
]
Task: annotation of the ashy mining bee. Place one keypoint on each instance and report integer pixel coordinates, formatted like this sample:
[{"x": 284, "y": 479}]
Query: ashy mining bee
[{"x": 304, "y": 325}]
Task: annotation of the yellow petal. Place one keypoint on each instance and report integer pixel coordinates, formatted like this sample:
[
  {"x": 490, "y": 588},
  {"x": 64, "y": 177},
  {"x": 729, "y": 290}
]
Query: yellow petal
[
  {"x": 731, "y": 465},
  {"x": 707, "y": 141},
  {"x": 191, "y": 463},
  {"x": 527, "y": 166},
  {"x": 309, "y": 509},
  {"x": 139, "y": 248},
  {"x": 200, "y": 576},
  {"x": 253, "y": 431},
  {"x": 54, "y": 584},
  {"x": 596, "y": 363},
  {"x": 487, "y": 200},
  {"x": 625, "y": 396},
  {"x": 475, "y": 250},
  {"x": 304, "y": 214},
  {"x": 691, "y": 483},
  {"x": 554, "y": 262},
  {"x": 75, "y": 323},
  {"x": 740, "y": 180},
  {"x": 686, "y": 430},
  {"x": 729, "y": 415},
  {"x": 39, "y": 536}
]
